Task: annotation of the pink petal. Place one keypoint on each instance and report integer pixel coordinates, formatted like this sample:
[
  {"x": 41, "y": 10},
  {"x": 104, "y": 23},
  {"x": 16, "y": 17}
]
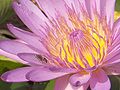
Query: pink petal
[
  {"x": 107, "y": 9},
  {"x": 103, "y": 8},
  {"x": 100, "y": 81},
  {"x": 77, "y": 6},
  {"x": 115, "y": 37},
  {"x": 113, "y": 56},
  {"x": 51, "y": 7},
  {"x": 92, "y": 6},
  {"x": 17, "y": 75},
  {"x": 61, "y": 83},
  {"x": 28, "y": 37},
  {"x": 15, "y": 47},
  {"x": 32, "y": 58},
  {"x": 45, "y": 74},
  {"x": 116, "y": 30},
  {"x": 113, "y": 69},
  {"x": 12, "y": 56},
  {"x": 83, "y": 87},
  {"x": 115, "y": 43},
  {"x": 114, "y": 47},
  {"x": 79, "y": 79},
  {"x": 113, "y": 53},
  {"x": 31, "y": 15}
]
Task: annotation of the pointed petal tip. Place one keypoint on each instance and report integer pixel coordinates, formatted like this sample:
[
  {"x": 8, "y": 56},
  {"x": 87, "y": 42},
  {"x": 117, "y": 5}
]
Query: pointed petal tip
[
  {"x": 17, "y": 75},
  {"x": 32, "y": 58},
  {"x": 9, "y": 25}
]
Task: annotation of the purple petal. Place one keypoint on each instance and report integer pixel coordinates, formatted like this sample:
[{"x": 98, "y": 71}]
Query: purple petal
[
  {"x": 116, "y": 30},
  {"x": 113, "y": 56},
  {"x": 15, "y": 47},
  {"x": 107, "y": 9},
  {"x": 113, "y": 53},
  {"x": 12, "y": 56},
  {"x": 76, "y": 4},
  {"x": 103, "y": 8},
  {"x": 17, "y": 75},
  {"x": 53, "y": 9},
  {"x": 31, "y": 15},
  {"x": 79, "y": 79},
  {"x": 100, "y": 81},
  {"x": 113, "y": 69},
  {"x": 114, "y": 47},
  {"x": 28, "y": 37},
  {"x": 61, "y": 83},
  {"x": 115, "y": 36},
  {"x": 92, "y": 6},
  {"x": 32, "y": 58},
  {"x": 45, "y": 74},
  {"x": 82, "y": 87}
]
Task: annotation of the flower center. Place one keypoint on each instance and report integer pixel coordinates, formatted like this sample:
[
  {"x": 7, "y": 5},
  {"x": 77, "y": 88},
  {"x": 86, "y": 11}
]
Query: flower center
[
  {"x": 76, "y": 35},
  {"x": 84, "y": 46}
]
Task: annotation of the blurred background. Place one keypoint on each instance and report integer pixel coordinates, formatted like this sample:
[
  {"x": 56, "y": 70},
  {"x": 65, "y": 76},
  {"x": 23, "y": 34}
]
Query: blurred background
[{"x": 7, "y": 15}]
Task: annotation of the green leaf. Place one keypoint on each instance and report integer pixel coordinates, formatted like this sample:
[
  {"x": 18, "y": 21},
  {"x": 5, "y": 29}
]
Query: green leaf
[
  {"x": 115, "y": 82},
  {"x": 23, "y": 86},
  {"x": 5, "y": 34},
  {"x": 117, "y": 5},
  {"x": 3, "y": 58},
  {"x": 5, "y": 86},
  {"x": 19, "y": 86},
  {"x": 14, "y": 86},
  {"x": 5, "y": 10},
  {"x": 50, "y": 85},
  {"x": 7, "y": 64},
  {"x": 29, "y": 86}
]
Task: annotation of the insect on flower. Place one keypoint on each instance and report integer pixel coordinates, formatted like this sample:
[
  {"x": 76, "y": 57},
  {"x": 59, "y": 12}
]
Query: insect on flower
[{"x": 75, "y": 42}]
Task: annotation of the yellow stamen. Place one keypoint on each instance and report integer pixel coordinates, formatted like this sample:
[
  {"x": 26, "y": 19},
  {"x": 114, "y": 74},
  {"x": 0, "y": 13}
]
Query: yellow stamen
[{"x": 86, "y": 43}]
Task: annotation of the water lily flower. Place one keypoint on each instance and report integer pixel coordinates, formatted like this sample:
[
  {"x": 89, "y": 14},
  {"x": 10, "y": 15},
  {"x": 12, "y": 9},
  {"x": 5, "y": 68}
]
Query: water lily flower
[{"x": 75, "y": 42}]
